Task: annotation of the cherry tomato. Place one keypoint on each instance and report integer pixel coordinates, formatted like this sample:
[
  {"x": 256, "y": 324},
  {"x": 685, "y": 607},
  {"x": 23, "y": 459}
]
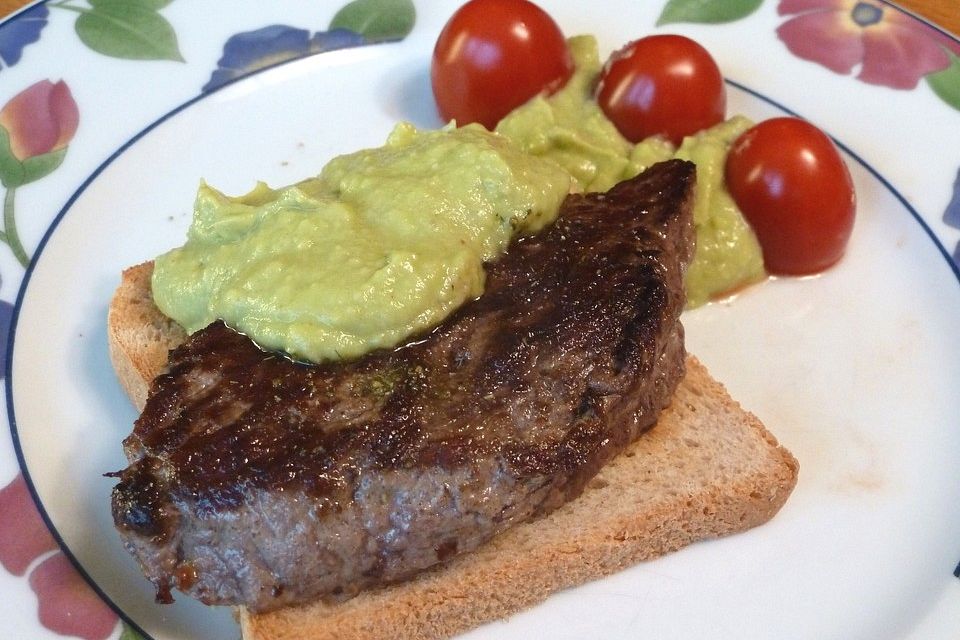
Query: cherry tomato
[
  {"x": 662, "y": 85},
  {"x": 795, "y": 191},
  {"x": 494, "y": 55}
]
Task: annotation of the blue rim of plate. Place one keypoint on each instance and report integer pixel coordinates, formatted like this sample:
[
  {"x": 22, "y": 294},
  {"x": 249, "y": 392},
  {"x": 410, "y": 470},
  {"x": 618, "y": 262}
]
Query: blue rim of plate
[{"x": 48, "y": 234}]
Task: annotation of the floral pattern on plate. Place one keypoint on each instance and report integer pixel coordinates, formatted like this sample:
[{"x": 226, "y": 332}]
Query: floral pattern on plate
[
  {"x": 358, "y": 23},
  {"x": 888, "y": 47},
  {"x": 36, "y": 126},
  {"x": 132, "y": 29},
  {"x": 22, "y": 31},
  {"x": 67, "y": 604},
  {"x": 884, "y": 45},
  {"x": 250, "y": 51}
]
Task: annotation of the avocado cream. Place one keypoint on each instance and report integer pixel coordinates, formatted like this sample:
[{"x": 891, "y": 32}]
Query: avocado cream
[
  {"x": 570, "y": 129},
  {"x": 386, "y": 242},
  {"x": 383, "y": 244},
  {"x": 727, "y": 255}
]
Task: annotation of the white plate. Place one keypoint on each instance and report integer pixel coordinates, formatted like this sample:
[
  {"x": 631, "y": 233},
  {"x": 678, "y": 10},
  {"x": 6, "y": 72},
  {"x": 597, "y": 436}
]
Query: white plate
[{"x": 855, "y": 371}]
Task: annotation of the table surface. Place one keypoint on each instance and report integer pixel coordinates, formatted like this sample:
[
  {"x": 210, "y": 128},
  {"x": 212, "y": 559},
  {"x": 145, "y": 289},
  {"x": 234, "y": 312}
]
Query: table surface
[{"x": 945, "y": 13}]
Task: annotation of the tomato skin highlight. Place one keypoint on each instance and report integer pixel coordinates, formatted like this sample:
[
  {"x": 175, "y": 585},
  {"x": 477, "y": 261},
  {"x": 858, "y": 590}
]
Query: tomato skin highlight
[
  {"x": 795, "y": 191},
  {"x": 664, "y": 85},
  {"x": 494, "y": 55}
]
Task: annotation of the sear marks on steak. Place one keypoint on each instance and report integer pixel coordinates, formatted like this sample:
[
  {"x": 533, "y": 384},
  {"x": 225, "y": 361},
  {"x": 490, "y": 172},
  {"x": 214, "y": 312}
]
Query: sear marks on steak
[{"x": 259, "y": 481}]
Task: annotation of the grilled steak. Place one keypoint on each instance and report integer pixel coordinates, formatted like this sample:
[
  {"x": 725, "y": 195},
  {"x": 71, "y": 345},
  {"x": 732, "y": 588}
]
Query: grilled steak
[{"x": 259, "y": 481}]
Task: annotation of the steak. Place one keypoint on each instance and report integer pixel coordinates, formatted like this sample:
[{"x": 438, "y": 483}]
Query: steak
[{"x": 259, "y": 481}]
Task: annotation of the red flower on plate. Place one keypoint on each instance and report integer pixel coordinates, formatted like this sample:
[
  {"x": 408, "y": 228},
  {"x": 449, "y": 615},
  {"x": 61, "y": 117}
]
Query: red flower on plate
[
  {"x": 66, "y": 603},
  {"x": 891, "y": 48},
  {"x": 23, "y": 535},
  {"x": 40, "y": 119}
]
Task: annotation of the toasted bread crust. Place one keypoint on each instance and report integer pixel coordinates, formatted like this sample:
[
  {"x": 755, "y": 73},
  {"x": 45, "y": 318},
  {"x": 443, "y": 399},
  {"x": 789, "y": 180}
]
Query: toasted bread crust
[
  {"x": 138, "y": 334},
  {"x": 708, "y": 469}
]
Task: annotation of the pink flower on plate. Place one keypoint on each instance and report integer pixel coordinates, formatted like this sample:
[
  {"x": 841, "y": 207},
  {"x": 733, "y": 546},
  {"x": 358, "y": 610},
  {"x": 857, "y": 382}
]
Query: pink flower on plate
[
  {"x": 66, "y": 603},
  {"x": 23, "y": 535},
  {"x": 891, "y": 48},
  {"x": 40, "y": 119}
]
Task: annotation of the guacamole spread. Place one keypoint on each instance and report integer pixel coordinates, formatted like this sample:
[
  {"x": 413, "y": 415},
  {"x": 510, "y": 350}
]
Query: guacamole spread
[
  {"x": 383, "y": 244},
  {"x": 569, "y": 128},
  {"x": 728, "y": 255},
  {"x": 386, "y": 242}
]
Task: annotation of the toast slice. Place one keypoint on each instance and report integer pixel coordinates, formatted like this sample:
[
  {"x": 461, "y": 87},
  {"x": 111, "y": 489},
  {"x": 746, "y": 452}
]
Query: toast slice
[{"x": 708, "y": 469}]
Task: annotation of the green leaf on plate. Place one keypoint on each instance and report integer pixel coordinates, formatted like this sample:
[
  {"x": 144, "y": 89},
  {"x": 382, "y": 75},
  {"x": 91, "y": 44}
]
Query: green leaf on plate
[
  {"x": 150, "y": 4},
  {"x": 377, "y": 20},
  {"x": 155, "y": 4},
  {"x": 11, "y": 169},
  {"x": 707, "y": 11},
  {"x": 15, "y": 173},
  {"x": 128, "y": 633},
  {"x": 128, "y": 30},
  {"x": 38, "y": 166},
  {"x": 946, "y": 83}
]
